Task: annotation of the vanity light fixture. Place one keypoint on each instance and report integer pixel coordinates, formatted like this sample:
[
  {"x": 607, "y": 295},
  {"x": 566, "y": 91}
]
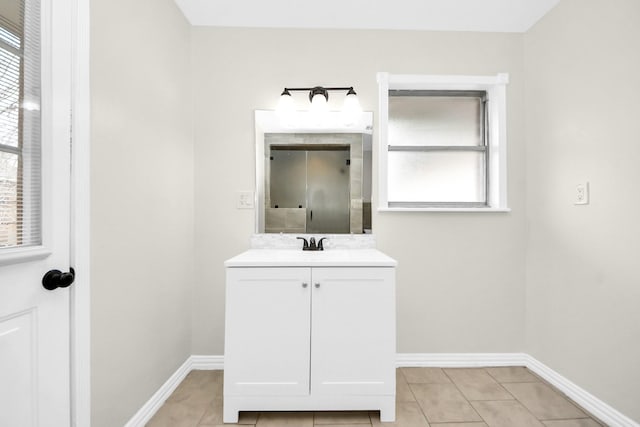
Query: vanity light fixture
[{"x": 319, "y": 98}]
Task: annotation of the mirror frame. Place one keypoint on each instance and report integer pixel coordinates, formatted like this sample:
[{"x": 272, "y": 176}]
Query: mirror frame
[{"x": 269, "y": 121}]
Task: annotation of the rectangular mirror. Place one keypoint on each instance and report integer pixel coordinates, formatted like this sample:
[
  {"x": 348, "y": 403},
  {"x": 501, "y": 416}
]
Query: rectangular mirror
[{"x": 313, "y": 175}]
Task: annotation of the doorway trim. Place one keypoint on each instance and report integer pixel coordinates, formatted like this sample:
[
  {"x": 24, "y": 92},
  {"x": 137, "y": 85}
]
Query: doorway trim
[{"x": 80, "y": 328}]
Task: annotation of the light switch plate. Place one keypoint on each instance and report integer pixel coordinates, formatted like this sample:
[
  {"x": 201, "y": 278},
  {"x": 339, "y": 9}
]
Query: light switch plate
[{"x": 245, "y": 200}]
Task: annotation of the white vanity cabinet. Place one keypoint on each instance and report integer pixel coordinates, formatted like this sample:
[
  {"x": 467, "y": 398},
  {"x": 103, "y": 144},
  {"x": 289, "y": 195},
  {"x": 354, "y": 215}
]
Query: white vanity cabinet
[{"x": 308, "y": 335}]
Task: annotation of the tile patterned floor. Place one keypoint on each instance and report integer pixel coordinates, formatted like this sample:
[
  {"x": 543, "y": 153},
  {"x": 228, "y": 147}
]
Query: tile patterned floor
[{"x": 425, "y": 397}]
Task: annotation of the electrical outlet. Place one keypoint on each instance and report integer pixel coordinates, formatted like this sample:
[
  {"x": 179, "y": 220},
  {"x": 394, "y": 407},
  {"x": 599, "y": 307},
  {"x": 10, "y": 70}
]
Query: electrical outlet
[
  {"x": 582, "y": 194},
  {"x": 245, "y": 200}
]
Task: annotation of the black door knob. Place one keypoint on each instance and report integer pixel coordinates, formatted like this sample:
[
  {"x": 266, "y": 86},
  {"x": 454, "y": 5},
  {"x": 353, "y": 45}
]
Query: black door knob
[{"x": 54, "y": 279}]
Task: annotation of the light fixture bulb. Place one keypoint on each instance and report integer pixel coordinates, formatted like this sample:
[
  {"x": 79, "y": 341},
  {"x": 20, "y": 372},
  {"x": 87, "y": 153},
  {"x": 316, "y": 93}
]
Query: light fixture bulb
[
  {"x": 285, "y": 104},
  {"x": 351, "y": 107},
  {"x": 352, "y": 104},
  {"x": 319, "y": 103}
]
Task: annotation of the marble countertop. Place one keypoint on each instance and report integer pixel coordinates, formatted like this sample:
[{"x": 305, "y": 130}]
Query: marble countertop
[{"x": 299, "y": 258}]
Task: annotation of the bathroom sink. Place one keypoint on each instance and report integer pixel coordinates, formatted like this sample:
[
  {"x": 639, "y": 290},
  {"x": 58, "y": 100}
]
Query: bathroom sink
[{"x": 299, "y": 258}]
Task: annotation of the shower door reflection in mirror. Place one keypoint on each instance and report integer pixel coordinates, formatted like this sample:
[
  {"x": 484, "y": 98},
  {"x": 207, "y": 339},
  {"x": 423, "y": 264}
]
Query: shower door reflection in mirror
[{"x": 312, "y": 183}]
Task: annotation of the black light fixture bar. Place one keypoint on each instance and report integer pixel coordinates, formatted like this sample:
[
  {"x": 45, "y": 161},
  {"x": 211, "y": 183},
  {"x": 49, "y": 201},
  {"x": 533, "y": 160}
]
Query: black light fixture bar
[
  {"x": 318, "y": 87},
  {"x": 318, "y": 90}
]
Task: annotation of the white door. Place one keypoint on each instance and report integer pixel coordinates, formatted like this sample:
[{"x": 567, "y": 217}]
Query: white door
[
  {"x": 353, "y": 340},
  {"x": 267, "y": 332},
  {"x": 34, "y": 227}
]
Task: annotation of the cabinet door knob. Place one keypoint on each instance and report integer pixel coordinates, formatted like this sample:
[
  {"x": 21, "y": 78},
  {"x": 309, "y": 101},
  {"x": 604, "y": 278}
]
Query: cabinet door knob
[
  {"x": 304, "y": 285},
  {"x": 317, "y": 285}
]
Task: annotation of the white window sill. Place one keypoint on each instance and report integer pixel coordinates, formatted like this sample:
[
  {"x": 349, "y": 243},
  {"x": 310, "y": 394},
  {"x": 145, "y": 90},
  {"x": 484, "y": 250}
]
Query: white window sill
[{"x": 387, "y": 209}]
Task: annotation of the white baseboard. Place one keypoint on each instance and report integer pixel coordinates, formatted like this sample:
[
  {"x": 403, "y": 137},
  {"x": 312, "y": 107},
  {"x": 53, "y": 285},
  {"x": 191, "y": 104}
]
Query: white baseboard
[
  {"x": 207, "y": 363},
  {"x": 589, "y": 402},
  {"x": 459, "y": 360},
  {"x": 595, "y": 406},
  {"x": 148, "y": 410}
]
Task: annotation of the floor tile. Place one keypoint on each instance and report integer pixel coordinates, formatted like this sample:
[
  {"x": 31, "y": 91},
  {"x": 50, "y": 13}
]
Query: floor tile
[
  {"x": 584, "y": 422},
  {"x": 213, "y": 413},
  {"x": 477, "y": 384},
  {"x": 345, "y": 425},
  {"x": 459, "y": 425},
  {"x": 196, "y": 400},
  {"x": 285, "y": 419},
  {"x": 544, "y": 402},
  {"x": 341, "y": 417},
  {"x": 176, "y": 415},
  {"x": 512, "y": 374},
  {"x": 403, "y": 392},
  {"x": 207, "y": 384},
  {"x": 506, "y": 413},
  {"x": 443, "y": 403},
  {"x": 425, "y": 375},
  {"x": 408, "y": 414}
]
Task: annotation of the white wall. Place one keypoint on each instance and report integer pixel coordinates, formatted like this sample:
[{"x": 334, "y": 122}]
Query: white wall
[
  {"x": 460, "y": 276},
  {"x": 142, "y": 203},
  {"x": 583, "y": 123}
]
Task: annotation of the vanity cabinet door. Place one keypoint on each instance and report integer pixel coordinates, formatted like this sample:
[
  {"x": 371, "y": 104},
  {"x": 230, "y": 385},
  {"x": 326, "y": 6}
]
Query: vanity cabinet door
[
  {"x": 353, "y": 341},
  {"x": 267, "y": 331}
]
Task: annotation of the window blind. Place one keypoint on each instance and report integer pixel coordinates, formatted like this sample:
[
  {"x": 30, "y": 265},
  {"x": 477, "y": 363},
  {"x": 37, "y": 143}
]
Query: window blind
[{"x": 20, "y": 128}]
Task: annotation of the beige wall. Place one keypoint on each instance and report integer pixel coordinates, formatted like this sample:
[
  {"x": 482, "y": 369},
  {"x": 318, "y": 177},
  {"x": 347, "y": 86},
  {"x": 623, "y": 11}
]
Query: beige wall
[
  {"x": 142, "y": 203},
  {"x": 583, "y": 123},
  {"x": 460, "y": 276}
]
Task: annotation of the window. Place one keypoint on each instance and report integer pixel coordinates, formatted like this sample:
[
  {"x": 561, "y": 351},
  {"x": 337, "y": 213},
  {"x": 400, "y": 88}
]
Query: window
[
  {"x": 20, "y": 202},
  {"x": 442, "y": 143}
]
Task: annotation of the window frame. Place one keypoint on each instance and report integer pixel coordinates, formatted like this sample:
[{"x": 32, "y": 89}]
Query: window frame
[{"x": 495, "y": 127}]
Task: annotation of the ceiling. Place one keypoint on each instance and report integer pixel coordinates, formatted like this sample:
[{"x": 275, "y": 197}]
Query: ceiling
[{"x": 436, "y": 15}]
